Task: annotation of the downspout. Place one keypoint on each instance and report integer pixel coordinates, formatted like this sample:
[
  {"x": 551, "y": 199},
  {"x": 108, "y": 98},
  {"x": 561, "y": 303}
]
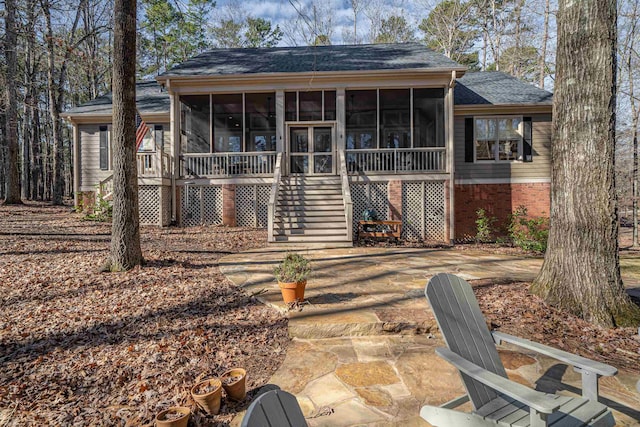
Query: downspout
[{"x": 451, "y": 158}]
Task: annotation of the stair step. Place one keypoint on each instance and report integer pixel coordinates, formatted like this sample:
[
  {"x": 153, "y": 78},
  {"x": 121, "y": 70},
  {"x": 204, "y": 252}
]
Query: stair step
[
  {"x": 308, "y": 218},
  {"x": 311, "y": 232},
  {"x": 310, "y": 196},
  {"x": 302, "y": 238},
  {"x": 307, "y": 225},
  {"x": 313, "y": 204},
  {"x": 310, "y": 207}
]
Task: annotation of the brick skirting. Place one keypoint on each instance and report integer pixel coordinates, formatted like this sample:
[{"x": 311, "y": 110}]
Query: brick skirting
[{"x": 498, "y": 200}]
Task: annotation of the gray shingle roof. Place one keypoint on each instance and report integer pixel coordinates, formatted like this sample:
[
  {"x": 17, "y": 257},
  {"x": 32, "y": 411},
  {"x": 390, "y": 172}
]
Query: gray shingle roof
[
  {"x": 312, "y": 58},
  {"x": 496, "y": 87},
  {"x": 150, "y": 99}
]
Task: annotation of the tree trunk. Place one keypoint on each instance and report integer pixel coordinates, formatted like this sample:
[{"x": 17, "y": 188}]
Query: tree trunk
[
  {"x": 10, "y": 46},
  {"x": 581, "y": 270},
  {"x": 125, "y": 233}
]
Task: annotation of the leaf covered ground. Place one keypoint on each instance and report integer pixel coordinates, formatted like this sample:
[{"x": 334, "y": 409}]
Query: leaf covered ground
[{"x": 79, "y": 347}]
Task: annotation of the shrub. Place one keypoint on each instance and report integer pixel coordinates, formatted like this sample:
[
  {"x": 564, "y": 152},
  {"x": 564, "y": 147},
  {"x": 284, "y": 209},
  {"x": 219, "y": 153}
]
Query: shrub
[
  {"x": 484, "y": 226},
  {"x": 530, "y": 234},
  {"x": 102, "y": 212},
  {"x": 293, "y": 268}
]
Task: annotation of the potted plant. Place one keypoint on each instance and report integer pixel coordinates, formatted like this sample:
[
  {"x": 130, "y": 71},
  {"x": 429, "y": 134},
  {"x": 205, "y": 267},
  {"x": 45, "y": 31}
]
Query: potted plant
[
  {"x": 292, "y": 274},
  {"x": 234, "y": 383},
  {"x": 176, "y": 416},
  {"x": 208, "y": 394}
]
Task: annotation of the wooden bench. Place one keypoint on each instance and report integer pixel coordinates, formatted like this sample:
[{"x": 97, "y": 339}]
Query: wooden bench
[{"x": 381, "y": 229}]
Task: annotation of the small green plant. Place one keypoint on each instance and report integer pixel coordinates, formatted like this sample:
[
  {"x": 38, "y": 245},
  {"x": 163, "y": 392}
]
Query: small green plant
[
  {"x": 293, "y": 268},
  {"x": 530, "y": 234},
  {"x": 102, "y": 211},
  {"x": 484, "y": 226}
]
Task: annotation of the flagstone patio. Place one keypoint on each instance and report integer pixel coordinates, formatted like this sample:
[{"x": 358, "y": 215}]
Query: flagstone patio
[{"x": 363, "y": 347}]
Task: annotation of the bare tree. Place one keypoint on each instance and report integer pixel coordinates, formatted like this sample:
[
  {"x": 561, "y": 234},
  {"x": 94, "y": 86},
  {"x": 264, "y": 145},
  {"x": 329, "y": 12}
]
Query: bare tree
[
  {"x": 314, "y": 22},
  {"x": 630, "y": 57},
  {"x": 545, "y": 42},
  {"x": 10, "y": 46},
  {"x": 581, "y": 270},
  {"x": 125, "y": 232}
]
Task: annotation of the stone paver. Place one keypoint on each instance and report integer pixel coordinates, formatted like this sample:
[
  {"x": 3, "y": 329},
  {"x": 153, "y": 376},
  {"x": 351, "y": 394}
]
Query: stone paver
[{"x": 364, "y": 346}]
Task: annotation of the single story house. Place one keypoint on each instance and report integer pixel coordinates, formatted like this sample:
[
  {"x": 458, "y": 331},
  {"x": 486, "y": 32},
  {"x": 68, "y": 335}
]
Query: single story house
[{"x": 301, "y": 140}]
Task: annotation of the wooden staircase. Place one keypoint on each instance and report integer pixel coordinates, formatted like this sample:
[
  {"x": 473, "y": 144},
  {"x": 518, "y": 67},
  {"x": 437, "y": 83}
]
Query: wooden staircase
[{"x": 311, "y": 210}]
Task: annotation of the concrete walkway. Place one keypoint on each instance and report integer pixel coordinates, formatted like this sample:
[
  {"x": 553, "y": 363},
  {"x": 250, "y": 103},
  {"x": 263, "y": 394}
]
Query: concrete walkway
[{"x": 363, "y": 347}]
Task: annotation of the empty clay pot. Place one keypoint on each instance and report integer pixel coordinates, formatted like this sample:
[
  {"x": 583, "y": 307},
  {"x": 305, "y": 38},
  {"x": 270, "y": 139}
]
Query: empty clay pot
[
  {"x": 208, "y": 401},
  {"x": 236, "y": 389},
  {"x": 162, "y": 421}
]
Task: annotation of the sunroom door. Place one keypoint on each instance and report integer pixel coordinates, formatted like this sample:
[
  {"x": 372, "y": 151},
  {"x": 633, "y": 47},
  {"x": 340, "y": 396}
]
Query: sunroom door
[{"x": 311, "y": 150}]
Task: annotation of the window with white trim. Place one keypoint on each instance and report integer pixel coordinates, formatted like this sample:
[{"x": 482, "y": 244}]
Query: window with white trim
[{"x": 498, "y": 139}]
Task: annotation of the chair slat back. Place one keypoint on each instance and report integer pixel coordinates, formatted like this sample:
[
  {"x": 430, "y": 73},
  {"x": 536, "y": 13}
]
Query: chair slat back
[
  {"x": 464, "y": 330},
  {"x": 275, "y": 408}
]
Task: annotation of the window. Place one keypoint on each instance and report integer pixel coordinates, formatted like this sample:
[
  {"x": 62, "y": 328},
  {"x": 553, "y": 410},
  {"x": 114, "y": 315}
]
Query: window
[
  {"x": 310, "y": 106},
  {"x": 498, "y": 139},
  {"x": 195, "y": 111},
  {"x": 260, "y": 121},
  {"x": 227, "y": 123},
  {"x": 361, "y": 110},
  {"x": 428, "y": 117},
  {"x": 395, "y": 118},
  {"x": 104, "y": 148}
]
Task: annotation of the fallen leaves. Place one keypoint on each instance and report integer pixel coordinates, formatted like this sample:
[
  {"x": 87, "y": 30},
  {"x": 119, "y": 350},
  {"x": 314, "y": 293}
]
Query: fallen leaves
[
  {"x": 79, "y": 347},
  {"x": 514, "y": 310}
]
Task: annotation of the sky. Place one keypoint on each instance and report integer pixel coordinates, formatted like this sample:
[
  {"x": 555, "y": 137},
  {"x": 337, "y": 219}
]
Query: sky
[{"x": 283, "y": 13}]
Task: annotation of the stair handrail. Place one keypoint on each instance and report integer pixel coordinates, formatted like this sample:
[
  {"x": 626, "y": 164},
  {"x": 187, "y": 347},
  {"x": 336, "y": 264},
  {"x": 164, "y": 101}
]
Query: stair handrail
[
  {"x": 105, "y": 187},
  {"x": 346, "y": 193},
  {"x": 273, "y": 196}
]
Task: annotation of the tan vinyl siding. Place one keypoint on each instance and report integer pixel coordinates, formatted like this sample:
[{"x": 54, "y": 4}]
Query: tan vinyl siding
[
  {"x": 539, "y": 168},
  {"x": 90, "y": 172}
]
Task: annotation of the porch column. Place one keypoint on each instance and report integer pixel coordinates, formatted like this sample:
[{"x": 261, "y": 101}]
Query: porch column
[
  {"x": 280, "y": 121},
  {"x": 76, "y": 164},
  {"x": 449, "y": 117},
  {"x": 174, "y": 141},
  {"x": 340, "y": 119}
]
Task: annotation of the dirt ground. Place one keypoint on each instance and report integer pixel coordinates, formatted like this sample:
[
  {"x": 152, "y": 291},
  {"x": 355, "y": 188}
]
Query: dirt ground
[{"x": 79, "y": 347}]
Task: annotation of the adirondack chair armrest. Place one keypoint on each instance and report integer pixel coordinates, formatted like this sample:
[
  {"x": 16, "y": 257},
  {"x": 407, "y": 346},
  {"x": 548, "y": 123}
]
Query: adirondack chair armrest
[
  {"x": 574, "y": 360},
  {"x": 534, "y": 399}
]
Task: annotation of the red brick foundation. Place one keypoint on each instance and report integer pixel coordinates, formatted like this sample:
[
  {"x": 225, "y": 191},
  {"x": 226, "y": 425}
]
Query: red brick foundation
[
  {"x": 498, "y": 200},
  {"x": 229, "y": 205},
  {"x": 395, "y": 200}
]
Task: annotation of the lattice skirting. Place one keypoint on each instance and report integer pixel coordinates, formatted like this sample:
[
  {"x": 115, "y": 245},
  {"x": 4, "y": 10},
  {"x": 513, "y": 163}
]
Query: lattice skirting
[
  {"x": 154, "y": 204},
  {"x": 368, "y": 195},
  {"x": 423, "y": 210},
  {"x": 200, "y": 205},
  {"x": 252, "y": 205}
]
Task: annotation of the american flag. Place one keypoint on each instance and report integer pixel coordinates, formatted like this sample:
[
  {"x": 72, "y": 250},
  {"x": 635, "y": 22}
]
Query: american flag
[{"x": 141, "y": 130}]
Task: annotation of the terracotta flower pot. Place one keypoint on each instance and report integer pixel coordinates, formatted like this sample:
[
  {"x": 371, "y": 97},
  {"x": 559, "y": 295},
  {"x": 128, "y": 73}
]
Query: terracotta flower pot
[
  {"x": 166, "y": 418},
  {"x": 209, "y": 401},
  {"x": 234, "y": 383},
  {"x": 292, "y": 291}
]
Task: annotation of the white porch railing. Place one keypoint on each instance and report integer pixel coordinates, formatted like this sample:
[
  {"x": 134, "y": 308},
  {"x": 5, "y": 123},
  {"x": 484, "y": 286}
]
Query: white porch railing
[
  {"x": 397, "y": 160},
  {"x": 346, "y": 194},
  {"x": 211, "y": 165},
  {"x": 273, "y": 196},
  {"x": 156, "y": 164}
]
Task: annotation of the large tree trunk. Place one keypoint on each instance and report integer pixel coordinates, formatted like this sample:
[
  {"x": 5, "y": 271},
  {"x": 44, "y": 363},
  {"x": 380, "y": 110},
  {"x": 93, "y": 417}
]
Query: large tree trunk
[
  {"x": 581, "y": 270},
  {"x": 10, "y": 45},
  {"x": 125, "y": 233}
]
